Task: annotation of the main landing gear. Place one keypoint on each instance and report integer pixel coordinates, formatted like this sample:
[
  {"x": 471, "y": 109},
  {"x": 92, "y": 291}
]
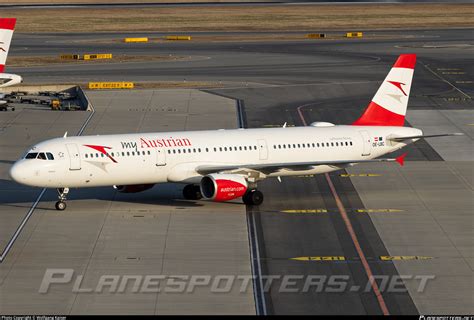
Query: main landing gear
[
  {"x": 62, "y": 194},
  {"x": 192, "y": 192},
  {"x": 253, "y": 197}
]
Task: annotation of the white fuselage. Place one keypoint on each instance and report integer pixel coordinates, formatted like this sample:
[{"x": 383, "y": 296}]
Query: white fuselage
[{"x": 149, "y": 158}]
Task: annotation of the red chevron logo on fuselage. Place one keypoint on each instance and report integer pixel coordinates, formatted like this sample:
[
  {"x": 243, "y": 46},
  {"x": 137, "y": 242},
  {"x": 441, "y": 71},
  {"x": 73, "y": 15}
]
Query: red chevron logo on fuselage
[
  {"x": 399, "y": 86},
  {"x": 102, "y": 150}
]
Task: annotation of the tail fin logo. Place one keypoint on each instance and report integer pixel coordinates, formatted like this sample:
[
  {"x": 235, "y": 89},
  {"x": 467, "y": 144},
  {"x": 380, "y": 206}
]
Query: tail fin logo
[
  {"x": 2, "y": 48},
  {"x": 399, "y": 86}
]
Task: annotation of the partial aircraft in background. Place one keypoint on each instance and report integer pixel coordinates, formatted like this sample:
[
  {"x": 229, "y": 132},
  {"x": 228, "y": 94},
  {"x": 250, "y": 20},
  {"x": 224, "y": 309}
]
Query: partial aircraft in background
[{"x": 7, "y": 27}]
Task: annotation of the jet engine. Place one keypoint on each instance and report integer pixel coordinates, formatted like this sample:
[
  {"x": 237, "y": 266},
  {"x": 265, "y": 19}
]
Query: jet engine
[
  {"x": 223, "y": 187},
  {"x": 134, "y": 188}
]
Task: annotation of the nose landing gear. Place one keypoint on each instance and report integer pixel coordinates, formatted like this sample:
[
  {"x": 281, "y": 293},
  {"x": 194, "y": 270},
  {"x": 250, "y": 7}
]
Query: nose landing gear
[{"x": 62, "y": 194}]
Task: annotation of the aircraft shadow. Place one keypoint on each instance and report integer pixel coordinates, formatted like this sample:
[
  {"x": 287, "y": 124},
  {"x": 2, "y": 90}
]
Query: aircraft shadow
[{"x": 169, "y": 194}]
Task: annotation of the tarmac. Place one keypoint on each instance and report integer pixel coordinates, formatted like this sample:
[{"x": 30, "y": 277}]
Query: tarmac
[
  {"x": 411, "y": 221},
  {"x": 104, "y": 232}
]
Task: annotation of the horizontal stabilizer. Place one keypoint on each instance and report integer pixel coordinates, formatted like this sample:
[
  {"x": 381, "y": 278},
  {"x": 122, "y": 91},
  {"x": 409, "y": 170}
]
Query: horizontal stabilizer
[{"x": 425, "y": 136}]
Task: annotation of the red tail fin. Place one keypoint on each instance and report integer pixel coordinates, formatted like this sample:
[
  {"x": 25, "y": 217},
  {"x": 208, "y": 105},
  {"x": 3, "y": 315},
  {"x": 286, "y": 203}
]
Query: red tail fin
[
  {"x": 7, "y": 25},
  {"x": 389, "y": 105}
]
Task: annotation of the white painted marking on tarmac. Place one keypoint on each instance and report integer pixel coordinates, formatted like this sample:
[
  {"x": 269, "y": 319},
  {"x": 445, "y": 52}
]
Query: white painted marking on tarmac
[
  {"x": 17, "y": 233},
  {"x": 21, "y": 226}
]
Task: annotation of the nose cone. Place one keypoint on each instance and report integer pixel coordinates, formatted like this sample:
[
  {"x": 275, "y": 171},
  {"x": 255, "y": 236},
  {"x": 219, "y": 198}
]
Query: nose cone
[{"x": 16, "y": 173}]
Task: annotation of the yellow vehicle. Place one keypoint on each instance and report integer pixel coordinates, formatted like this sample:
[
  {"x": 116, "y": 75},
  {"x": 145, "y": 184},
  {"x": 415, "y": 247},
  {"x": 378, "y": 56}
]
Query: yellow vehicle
[{"x": 55, "y": 104}]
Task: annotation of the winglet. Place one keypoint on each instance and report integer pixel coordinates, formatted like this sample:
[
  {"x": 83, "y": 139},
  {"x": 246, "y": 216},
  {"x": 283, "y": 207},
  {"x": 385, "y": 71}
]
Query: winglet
[{"x": 401, "y": 159}]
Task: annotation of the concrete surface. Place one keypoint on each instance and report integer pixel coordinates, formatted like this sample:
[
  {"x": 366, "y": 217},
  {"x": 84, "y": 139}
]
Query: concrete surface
[{"x": 106, "y": 233}]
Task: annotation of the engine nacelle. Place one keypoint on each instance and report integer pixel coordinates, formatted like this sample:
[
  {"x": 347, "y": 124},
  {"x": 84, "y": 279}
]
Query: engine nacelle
[
  {"x": 134, "y": 188},
  {"x": 7, "y": 79},
  {"x": 223, "y": 187}
]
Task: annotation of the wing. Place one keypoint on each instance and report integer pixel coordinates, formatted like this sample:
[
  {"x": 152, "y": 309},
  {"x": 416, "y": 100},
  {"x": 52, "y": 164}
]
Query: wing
[{"x": 268, "y": 168}]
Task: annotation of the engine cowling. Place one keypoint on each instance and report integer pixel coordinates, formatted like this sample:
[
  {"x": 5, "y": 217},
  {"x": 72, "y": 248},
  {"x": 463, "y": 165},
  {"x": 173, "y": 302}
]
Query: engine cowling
[
  {"x": 223, "y": 187},
  {"x": 134, "y": 188}
]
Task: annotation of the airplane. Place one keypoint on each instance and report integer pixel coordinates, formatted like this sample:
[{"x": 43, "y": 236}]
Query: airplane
[
  {"x": 222, "y": 165},
  {"x": 7, "y": 26}
]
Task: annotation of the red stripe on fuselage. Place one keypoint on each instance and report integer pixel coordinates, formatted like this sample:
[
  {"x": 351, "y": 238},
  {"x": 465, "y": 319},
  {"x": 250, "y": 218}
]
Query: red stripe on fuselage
[{"x": 376, "y": 115}]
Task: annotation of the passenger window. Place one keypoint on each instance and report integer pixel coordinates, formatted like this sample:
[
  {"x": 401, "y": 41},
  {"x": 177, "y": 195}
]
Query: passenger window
[
  {"x": 294, "y": 146},
  {"x": 86, "y": 155},
  {"x": 245, "y": 148},
  {"x": 240, "y": 148},
  {"x": 207, "y": 149},
  {"x": 174, "y": 151},
  {"x": 128, "y": 153},
  {"x": 184, "y": 150}
]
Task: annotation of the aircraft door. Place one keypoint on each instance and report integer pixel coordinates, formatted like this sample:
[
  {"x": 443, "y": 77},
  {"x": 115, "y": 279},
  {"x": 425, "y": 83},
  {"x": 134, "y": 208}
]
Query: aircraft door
[
  {"x": 366, "y": 145},
  {"x": 160, "y": 157},
  {"x": 262, "y": 147},
  {"x": 74, "y": 156}
]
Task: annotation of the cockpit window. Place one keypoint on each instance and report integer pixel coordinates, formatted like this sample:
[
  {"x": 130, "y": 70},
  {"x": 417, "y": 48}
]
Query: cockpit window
[
  {"x": 40, "y": 155},
  {"x": 31, "y": 155}
]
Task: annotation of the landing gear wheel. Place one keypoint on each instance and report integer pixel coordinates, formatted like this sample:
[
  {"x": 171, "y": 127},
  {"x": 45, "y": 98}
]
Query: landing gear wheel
[
  {"x": 192, "y": 192},
  {"x": 62, "y": 194},
  {"x": 253, "y": 197},
  {"x": 60, "y": 205}
]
